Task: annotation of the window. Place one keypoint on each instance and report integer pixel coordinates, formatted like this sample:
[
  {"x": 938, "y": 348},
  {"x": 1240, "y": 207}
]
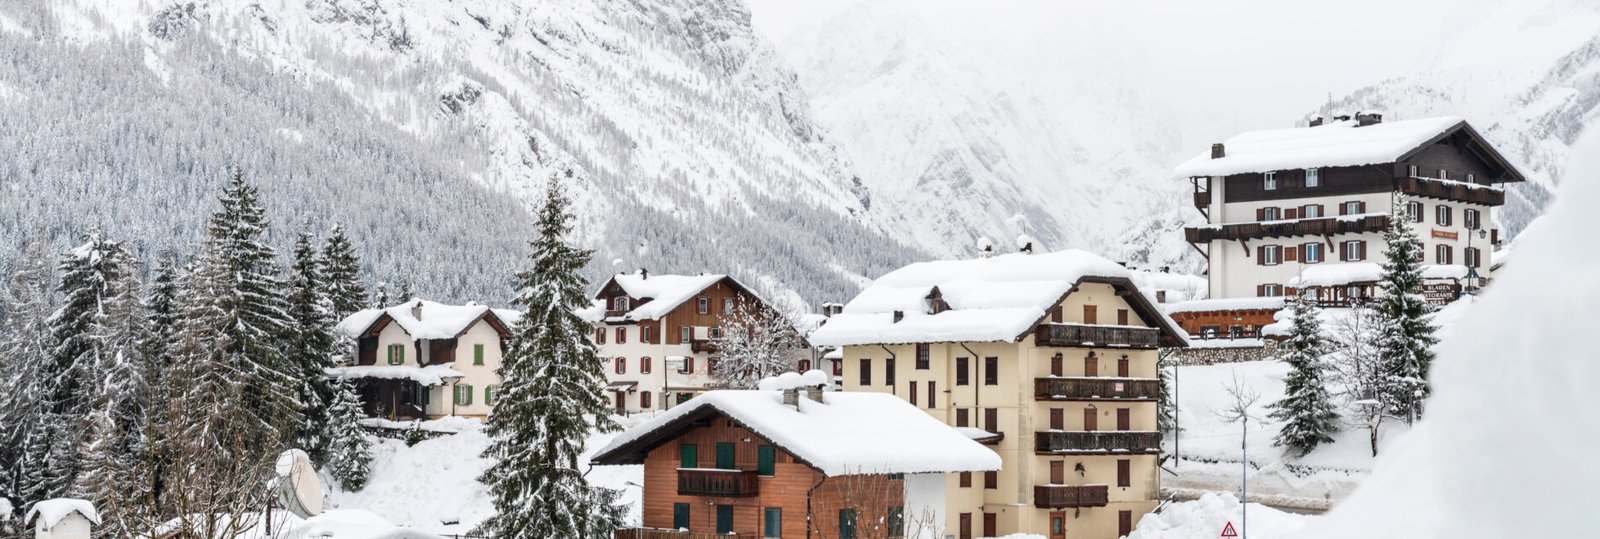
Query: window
[
  {"x": 1090, "y": 314},
  {"x": 1473, "y": 257},
  {"x": 1311, "y": 211},
  {"x": 962, "y": 376},
  {"x": 1124, "y": 473},
  {"x": 923, "y": 354},
  {"x": 1353, "y": 250},
  {"x": 847, "y": 524},
  {"x": 1271, "y": 290},
  {"x": 644, "y": 400},
  {"x": 599, "y": 335},
  {"x": 766, "y": 459},
  {"x": 488, "y": 395},
  {"x": 1443, "y": 254},
  {"x": 1444, "y": 174},
  {"x": 680, "y": 516},
  {"x": 866, "y": 372},
  {"x": 1270, "y": 255},
  {"x": 897, "y": 521},
  {"x": 1414, "y": 211},
  {"x": 772, "y": 522},
  {"x": 645, "y": 365},
  {"x": 991, "y": 371},
  {"x": 647, "y": 334},
  {"x": 1122, "y": 317},
  {"x": 1469, "y": 218},
  {"x": 1091, "y": 366},
  {"x": 397, "y": 354},
  {"x": 991, "y": 480},
  {"x": 622, "y": 335},
  {"x": 716, "y": 332},
  {"x": 1412, "y": 171},
  {"x": 932, "y": 401},
  {"x": 1353, "y": 207},
  {"x": 463, "y": 394},
  {"x": 962, "y": 416},
  {"x": 619, "y": 303},
  {"x": 913, "y": 393},
  {"x": 964, "y": 480},
  {"x": 1269, "y": 181},
  {"x": 477, "y": 354},
  {"x": 1122, "y": 367},
  {"x": 1058, "y": 419},
  {"x": 1313, "y": 177},
  {"x": 724, "y": 519},
  {"x": 1055, "y": 365},
  {"x": 991, "y": 419},
  {"x": 1472, "y": 178},
  {"x": 727, "y": 305},
  {"x": 1311, "y": 253},
  {"x": 619, "y": 365},
  {"x": 688, "y": 456},
  {"x": 805, "y": 365},
  {"x": 1442, "y": 215},
  {"x": 703, "y": 305},
  {"x": 838, "y": 366},
  {"x": 888, "y": 372},
  {"x": 1271, "y": 214},
  {"x": 1210, "y": 332},
  {"x": 685, "y": 334},
  {"x": 688, "y": 365}
]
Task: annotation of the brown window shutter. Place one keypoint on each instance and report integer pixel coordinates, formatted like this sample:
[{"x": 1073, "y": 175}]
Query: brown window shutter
[
  {"x": 1290, "y": 291},
  {"x": 1291, "y": 253},
  {"x": 1362, "y": 206},
  {"x": 1261, "y": 290},
  {"x": 1261, "y": 255},
  {"x": 1261, "y": 214},
  {"x": 1341, "y": 210},
  {"x": 1363, "y": 250},
  {"x": 1291, "y": 213},
  {"x": 1322, "y": 211}
]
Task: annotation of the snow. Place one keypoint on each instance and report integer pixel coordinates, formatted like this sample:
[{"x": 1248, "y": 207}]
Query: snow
[
  {"x": 1335, "y": 144},
  {"x": 1208, "y": 516},
  {"x": 448, "y": 424},
  {"x": 794, "y": 380},
  {"x": 1226, "y": 343},
  {"x": 50, "y": 512},
  {"x": 847, "y": 433},
  {"x": 1365, "y": 272},
  {"x": 1503, "y": 449},
  {"x": 991, "y": 299},
  {"x": 665, "y": 292},
  {"x": 1227, "y": 304},
  {"x": 431, "y": 375},
  {"x": 5, "y": 509},
  {"x": 438, "y": 321}
]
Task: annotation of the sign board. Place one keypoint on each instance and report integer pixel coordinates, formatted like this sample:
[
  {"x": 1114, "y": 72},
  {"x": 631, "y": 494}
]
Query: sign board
[
  {"x": 675, "y": 363},
  {"x": 1440, "y": 293},
  {"x": 1445, "y": 235},
  {"x": 1227, "y": 531}
]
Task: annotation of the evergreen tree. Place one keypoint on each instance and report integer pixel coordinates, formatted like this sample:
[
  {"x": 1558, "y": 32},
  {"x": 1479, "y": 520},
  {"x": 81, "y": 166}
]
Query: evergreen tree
[
  {"x": 163, "y": 310},
  {"x": 1306, "y": 408},
  {"x": 1165, "y": 420},
  {"x": 1406, "y": 340},
  {"x": 327, "y": 430},
  {"x": 380, "y": 296},
  {"x": 349, "y": 452},
  {"x": 24, "y": 350},
  {"x": 115, "y": 475},
  {"x": 550, "y": 394},
  {"x": 342, "y": 274},
  {"x": 406, "y": 294}
]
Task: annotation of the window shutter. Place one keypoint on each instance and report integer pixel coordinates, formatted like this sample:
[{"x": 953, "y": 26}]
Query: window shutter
[
  {"x": 1261, "y": 290},
  {"x": 1291, "y": 253},
  {"x": 1361, "y": 207},
  {"x": 1261, "y": 214},
  {"x": 1321, "y": 211},
  {"x": 1363, "y": 250},
  {"x": 1342, "y": 209},
  {"x": 1291, "y": 213},
  {"x": 1261, "y": 255}
]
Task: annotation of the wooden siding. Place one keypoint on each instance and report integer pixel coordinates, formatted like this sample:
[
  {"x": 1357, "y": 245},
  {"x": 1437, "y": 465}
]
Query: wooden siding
[
  {"x": 1223, "y": 320},
  {"x": 1451, "y": 155},
  {"x": 687, "y": 314},
  {"x": 1332, "y": 181}
]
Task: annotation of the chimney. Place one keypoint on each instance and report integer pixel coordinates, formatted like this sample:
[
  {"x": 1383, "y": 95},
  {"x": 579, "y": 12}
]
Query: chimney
[
  {"x": 1218, "y": 151},
  {"x": 791, "y": 397},
  {"x": 1342, "y": 117},
  {"x": 1316, "y": 121},
  {"x": 644, "y": 273},
  {"x": 416, "y": 310},
  {"x": 1364, "y": 119},
  {"x": 898, "y": 316},
  {"x": 1166, "y": 269},
  {"x": 814, "y": 393}
]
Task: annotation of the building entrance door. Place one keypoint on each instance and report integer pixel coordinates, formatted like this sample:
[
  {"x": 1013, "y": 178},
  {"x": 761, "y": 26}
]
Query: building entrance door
[
  {"x": 620, "y": 402},
  {"x": 1058, "y": 525}
]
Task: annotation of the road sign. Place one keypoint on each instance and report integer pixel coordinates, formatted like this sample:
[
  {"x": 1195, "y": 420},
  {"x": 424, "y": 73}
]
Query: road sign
[{"x": 1227, "y": 531}]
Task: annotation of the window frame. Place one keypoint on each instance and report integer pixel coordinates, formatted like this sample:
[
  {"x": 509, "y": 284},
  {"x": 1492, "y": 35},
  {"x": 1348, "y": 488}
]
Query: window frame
[
  {"x": 728, "y": 305},
  {"x": 991, "y": 371},
  {"x": 1312, "y": 253},
  {"x": 600, "y": 335},
  {"x": 1313, "y": 177},
  {"x": 1271, "y": 290},
  {"x": 1269, "y": 181},
  {"x": 645, "y": 365},
  {"x": 645, "y": 400},
  {"x": 1350, "y": 250},
  {"x": 963, "y": 371},
  {"x": 621, "y": 336},
  {"x": 619, "y": 365},
  {"x": 703, "y": 305},
  {"x": 771, "y": 528},
  {"x": 924, "y": 356},
  {"x": 1272, "y": 255},
  {"x": 864, "y": 378}
]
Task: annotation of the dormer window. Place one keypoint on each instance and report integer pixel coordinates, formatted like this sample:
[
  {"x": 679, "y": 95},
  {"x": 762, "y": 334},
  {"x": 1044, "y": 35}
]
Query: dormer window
[
  {"x": 703, "y": 305},
  {"x": 1313, "y": 177},
  {"x": 1269, "y": 181},
  {"x": 619, "y": 303}
]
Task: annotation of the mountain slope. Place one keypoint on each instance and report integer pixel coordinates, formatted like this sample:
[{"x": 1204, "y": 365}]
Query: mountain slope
[{"x": 432, "y": 127}]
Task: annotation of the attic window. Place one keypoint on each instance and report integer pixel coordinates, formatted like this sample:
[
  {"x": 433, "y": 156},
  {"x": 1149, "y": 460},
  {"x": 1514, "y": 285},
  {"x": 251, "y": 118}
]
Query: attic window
[
  {"x": 619, "y": 303},
  {"x": 1269, "y": 181},
  {"x": 703, "y": 305},
  {"x": 1313, "y": 177}
]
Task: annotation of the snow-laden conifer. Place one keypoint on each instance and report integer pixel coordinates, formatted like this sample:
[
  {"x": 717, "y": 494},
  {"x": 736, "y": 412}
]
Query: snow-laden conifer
[
  {"x": 342, "y": 274},
  {"x": 24, "y": 350},
  {"x": 1405, "y": 342},
  {"x": 1306, "y": 409},
  {"x": 329, "y": 434}
]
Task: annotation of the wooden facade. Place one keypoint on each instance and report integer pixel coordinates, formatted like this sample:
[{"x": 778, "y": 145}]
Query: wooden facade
[{"x": 1245, "y": 323}]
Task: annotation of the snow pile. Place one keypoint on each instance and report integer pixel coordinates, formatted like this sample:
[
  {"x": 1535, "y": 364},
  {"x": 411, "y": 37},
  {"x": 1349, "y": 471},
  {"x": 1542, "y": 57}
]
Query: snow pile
[
  {"x": 437, "y": 320},
  {"x": 847, "y": 433},
  {"x": 991, "y": 299},
  {"x": 5, "y": 509},
  {"x": 1178, "y": 286},
  {"x": 332, "y": 524},
  {"x": 1335, "y": 144},
  {"x": 50, "y": 512},
  {"x": 1503, "y": 448},
  {"x": 447, "y": 424},
  {"x": 431, "y": 375},
  {"x": 1366, "y": 272},
  {"x": 793, "y": 380},
  {"x": 664, "y": 292},
  {"x": 1227, "y": 304},
  {"x": 1208, "y": 516}
]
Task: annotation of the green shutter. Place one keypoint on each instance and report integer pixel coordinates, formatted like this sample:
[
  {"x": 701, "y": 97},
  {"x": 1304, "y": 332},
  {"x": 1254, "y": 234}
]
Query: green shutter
[
  {"x": 477, "y": 354},
  {"x": 724, "y": 456},
  {"x": 847, "y": 524},
  {"x": 680, "y": 516},
  {"x": 688, "y": 456},
  {"x": 765, "y": 457},
  {"x": 488, "y": 395},
  {"x": 469, "y": 394},
  {"x": 724, "y": 519}
]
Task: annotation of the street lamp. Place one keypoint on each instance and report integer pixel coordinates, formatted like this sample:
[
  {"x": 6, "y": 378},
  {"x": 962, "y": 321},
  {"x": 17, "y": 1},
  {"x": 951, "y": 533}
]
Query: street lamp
[{"x": 1472, "y": 265}]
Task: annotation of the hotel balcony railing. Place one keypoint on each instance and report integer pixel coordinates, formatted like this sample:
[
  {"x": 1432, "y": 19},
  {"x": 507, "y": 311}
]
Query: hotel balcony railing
[
  {"x": 1060, "y": 496},
  {"x": 1089, "y": 389},
  {"x": 1097, "y": 442},
  {"x": 1098, "y": 336},
  {"x": 1317, "y": 226}
]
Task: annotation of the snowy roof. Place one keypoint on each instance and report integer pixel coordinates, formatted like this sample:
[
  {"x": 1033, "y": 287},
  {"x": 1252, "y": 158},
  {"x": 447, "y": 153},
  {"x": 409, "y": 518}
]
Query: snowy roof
[
  {"x": 50, "y": 512},
  {"x": 431, "y": 375},
  {"x": 846, "y": 434},
  {"x": 665, "y": 292},
  {"x": 1335, "y": 144},
  {"x": 1270, "y": 303},
  {"x": 993, "y": 299},
  {"x": 1365, "y": 272},
  {"x": 438, "y": 321}
]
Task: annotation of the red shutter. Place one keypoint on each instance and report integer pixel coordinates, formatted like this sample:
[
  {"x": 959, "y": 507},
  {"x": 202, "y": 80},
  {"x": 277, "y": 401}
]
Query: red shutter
[
  {"x": 1291, "y": 213},
  {"x": 1291, "y": 253}
]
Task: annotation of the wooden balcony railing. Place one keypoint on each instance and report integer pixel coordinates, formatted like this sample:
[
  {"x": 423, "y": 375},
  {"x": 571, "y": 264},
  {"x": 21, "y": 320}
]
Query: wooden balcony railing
[
  {"x": 708, "y": 482},
  {"x": 1100, "y": 336},
  {"x": 1325, "y": 226},
  {"x": 658, "y": 533},
  {"x": 1202, "y": 199},
  {"x": 1090, "y": 389},
  {"x": 704, "y": 346},
  {"x": 1059, "y": 496},
  {"x": 1115, "y": 442},
  {"x": 1452, "y": 191},
  {"x": 615, "y": 313}
]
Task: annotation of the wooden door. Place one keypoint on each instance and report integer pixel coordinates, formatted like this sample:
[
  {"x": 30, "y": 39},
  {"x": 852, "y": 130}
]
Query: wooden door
[
  {"x": 966, "y": 526},
  {"x": 1055, "y": 365},
  {"x": 1124, "y": 522},
  {"x": 1122, "y": 419},
  {"x": 991, "y": 525},
  {"x": 1058, "y": 473},
  {"x": 1091, "y": 422},
  {"x": 621, "y": 402},
  {"x": 724, "y": 519},
  {"x": 1090, "y": 315},
  {"x": 1058, "y": 419},
  {"x": 1091, "y": 366},
  {"x": 1058, "y": 525},
  {"x": 1122, "y": 367}
]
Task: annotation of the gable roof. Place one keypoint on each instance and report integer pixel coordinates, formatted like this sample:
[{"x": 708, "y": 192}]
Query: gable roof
[
  {"x": 50, "y": 512},
  {"x": 438, "y": 321},
  {"x": 996, "y": 299},
  {"x": 846, "y": 434},
  {"x": 663, "y": 292},
  {"x": 1338, "y": 144}
]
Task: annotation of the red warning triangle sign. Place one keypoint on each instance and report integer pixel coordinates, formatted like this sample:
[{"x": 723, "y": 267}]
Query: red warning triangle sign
[{"x": 1227, "y": 531}]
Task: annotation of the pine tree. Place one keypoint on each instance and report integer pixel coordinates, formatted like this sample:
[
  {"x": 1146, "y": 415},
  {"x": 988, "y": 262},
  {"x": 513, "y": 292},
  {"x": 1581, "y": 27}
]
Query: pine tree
[
  {"x": 349, "y": 453},
  {"x": 1406, "y": 340},
  {"x": 115, "y": 475},
  {"x": 380, "y": 296},
  {"x": 163, "y": 310},
  {"x": 330, "y": 431},
  {"x": 406, "y": 293},
  {"x": 1166, "y": 421},
  {"x": 342, "y": 274},
  {"x": 1306, "y": 408},
  {"x": 24, "y": 350},
  {"x": 550, "y": 400}
]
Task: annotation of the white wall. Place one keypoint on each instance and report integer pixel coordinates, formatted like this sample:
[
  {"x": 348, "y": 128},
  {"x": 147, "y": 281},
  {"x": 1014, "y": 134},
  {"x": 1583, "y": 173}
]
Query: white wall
[
  {"x": 634, "y": 351},
  {"x": 72, "y": 526}
]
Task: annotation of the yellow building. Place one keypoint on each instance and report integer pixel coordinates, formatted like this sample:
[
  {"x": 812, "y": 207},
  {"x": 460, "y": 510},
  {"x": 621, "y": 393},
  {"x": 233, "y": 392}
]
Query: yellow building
[{"x": 1050, "y": 359}]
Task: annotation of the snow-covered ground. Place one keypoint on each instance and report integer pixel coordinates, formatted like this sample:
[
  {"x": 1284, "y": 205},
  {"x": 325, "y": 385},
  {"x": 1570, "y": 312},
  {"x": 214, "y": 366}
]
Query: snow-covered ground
[{"x": 1210, "y": 515}]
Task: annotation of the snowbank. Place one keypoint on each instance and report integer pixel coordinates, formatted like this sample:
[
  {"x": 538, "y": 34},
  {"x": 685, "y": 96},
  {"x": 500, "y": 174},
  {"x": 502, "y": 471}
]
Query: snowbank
[
  {"x": 1207, "y": 517},
  {"x": 1335, "y": 144}
]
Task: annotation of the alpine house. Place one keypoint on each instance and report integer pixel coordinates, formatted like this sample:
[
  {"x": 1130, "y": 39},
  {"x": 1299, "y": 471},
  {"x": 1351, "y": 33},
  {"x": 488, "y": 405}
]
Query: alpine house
[
  {"x": 409, "y": 355},
  {"x": 1281, "y": 202},
  {"x": 1050, "y": 359},
  {"x": 771, "y": 462}
]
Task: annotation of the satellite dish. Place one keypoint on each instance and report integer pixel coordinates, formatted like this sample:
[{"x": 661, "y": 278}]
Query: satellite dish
[{"x": 297, "y": 488}]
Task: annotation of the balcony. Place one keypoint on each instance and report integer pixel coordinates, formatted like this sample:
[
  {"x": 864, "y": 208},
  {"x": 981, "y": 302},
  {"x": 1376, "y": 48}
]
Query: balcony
[
  {"x": 704, "y": 346},
  {"x": 725, "y": 483},
  {"x": 1095, "y": 389},
  {"x": 1080, "y": 335},
  {"x": 1455, "y": 191},
  {"x": 1202, "y": 199},
  {"x": 1098, "y": 442},
  {"x": 658, "y": 533},
  {"x": 1324, "y": 226},
  {"x": 1062, "y": 496}
]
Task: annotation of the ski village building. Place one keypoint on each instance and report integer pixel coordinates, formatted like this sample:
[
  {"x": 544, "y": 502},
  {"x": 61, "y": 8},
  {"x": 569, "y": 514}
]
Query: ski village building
[
  {"x": 657, "y": 335},
  {"x": 766, "y": 463},
  {"x": 1049, "y": 359},
  {"x": 1306, "y": 208},
  {"x": 422, "y": 359}
]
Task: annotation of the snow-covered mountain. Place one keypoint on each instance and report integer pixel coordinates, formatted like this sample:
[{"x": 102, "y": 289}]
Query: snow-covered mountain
[{"x": 431, "y": 127}]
